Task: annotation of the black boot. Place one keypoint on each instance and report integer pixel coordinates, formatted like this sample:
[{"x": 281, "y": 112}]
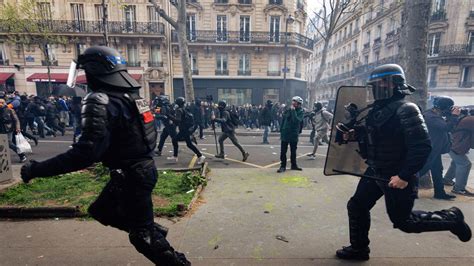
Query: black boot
[
  {"x": 350, "y": 253},
  {"x": 281, "y": 169},
  {"x": 245, "y": 156},
  {"x": 460, "y": 229},
  {"x": 161, "y": 229},
  {"x": 296, "y": 168}
]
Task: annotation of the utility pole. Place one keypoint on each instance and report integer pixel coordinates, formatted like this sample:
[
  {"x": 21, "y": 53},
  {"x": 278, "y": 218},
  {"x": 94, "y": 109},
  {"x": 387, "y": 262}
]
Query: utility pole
[{"x": 105, "y": 23}]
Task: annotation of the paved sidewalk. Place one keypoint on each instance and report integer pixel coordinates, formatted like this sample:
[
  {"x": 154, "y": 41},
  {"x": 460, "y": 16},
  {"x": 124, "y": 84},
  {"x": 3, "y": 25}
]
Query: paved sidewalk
[{"x": 237, "y": 223}]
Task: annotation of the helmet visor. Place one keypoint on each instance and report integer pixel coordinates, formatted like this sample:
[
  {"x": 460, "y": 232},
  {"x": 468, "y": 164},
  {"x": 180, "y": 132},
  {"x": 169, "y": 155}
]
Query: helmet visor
[{"x": 72, "y": 76}]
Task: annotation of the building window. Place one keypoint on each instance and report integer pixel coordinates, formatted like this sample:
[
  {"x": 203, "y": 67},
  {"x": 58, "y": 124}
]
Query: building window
[
  {"x": 367, "y": 35},
  {"x": 376, "y": 56},
  {"x": 130, "y": 18},
  {"x": 155, "y": 56},
  {"x": 245, "y": 2},
  {"x": 350, "y": 29},
  {"x": 271, "y": 94},
  {"x": 366, "y": 59},
  {"x": 77, "y": 11},
  {"x": 275, "y": 2},
  {"x": 191, "y": 27},
  {"x": 438, "y": 5},
  {"x": 132, "y": 53},
  {"x": 467, "y": 79},
  {"x": 194, "y": 64},
  {"x": 244, "y": 28},
  {"x": 221, "y": 1},
  {"x": 274, "y": 29},
  {"x": 273, "y": 65},
  {"x": 44, "y": 9},
  {"x": 153, "y": 15},
  {"x": 379, "y": 31},
  {"x": 80, "y": 48},
  {"x": 3, "y": 55},
  {"x": 244, "y": 65},
  {"x": 357, "y": 23},
  {"x": 221, "y": 28},
  {"x": 470, "y": 42},
  {"x": 431, "y": 78},
  {"x": 237, "y": 97},
  {"x": 221, "y": 64},
  {"x": 355, "y": 46},
  {"x": 51, "y": 52},
  {"x": 433, "y": 44},
  {"x": 298, "y": 67},
  {"x": 99, "y": 12}
]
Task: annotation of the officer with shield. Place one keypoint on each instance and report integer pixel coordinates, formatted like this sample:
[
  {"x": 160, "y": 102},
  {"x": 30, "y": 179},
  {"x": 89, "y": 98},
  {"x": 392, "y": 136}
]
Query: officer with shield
[
  {"x": 394, "y": 142},
  {"x": 117, "y": 130}
]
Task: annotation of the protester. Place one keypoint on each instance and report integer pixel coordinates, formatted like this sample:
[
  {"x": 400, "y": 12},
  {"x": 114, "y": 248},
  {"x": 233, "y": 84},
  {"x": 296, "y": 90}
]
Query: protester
[{"x": 9, "y": 125}]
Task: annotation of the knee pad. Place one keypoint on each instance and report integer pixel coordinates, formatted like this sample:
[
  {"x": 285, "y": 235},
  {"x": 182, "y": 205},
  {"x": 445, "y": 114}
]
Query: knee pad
[{"x": 149, "y": 242}]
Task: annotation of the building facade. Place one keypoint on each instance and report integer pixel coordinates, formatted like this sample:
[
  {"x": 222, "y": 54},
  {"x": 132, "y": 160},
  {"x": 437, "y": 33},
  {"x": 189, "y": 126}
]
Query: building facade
[
  {"x": 236, "y": 47},
  {"x": 369, "y": 37}
]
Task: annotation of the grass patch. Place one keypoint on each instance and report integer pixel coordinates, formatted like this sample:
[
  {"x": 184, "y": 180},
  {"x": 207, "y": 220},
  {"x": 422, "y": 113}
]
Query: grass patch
[{"x": 82, "y": 188}]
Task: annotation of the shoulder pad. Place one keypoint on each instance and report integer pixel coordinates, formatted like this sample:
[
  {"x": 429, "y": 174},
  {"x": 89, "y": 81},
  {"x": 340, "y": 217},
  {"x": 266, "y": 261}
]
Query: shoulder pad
[
  {"x": 408, "y": 109},
  {"x": 97, "y": 98}
]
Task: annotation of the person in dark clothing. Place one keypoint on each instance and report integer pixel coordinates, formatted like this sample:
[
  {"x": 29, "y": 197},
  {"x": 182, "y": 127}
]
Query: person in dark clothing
[
  {"x": 266, "y": 120},
  {"x": 395, "y": 144},
  {"x": 439, "y": 129},
  {"x": 165, "y": 113},
  {"x": 290, "y": 130},
  {"x": 186, "y": 127},
  {"x": 117, "y": 130},
  {"x": 23, "y": 117},
  {"x": 228, "y": 131},
  {"x": 52, "y": 117},
  {"x": 76, "y": 116},
  {"x": 9, "y": 125},
  {"x": 38, "y": 109},
  {"x": 197, "y": 112}
]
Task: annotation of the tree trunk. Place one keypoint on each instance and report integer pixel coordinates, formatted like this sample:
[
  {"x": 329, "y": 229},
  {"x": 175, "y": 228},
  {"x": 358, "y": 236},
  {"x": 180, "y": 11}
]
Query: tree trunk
[
  {"x": 413, "y": 46},
  {"x": 184, "y": 52},
  {"x": 413, "y": 54}
]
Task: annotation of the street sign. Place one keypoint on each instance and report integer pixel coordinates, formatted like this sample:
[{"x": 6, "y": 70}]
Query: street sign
[
  {"x": 29, "y": 59},
  {"x": 285, "y": 70}
]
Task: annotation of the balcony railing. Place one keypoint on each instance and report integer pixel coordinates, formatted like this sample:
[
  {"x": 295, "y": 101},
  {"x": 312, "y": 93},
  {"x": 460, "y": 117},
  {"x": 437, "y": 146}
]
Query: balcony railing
[
  {"x": 244, "y": 72},
  {"x": 273, "y": 73},
  {"x": 466, "y": 84},
  {"x": 439, "y": 15},
  {"x": 377, "y": 42},
  {"x": 4, "y": 62},
  {"x": 96, "y": 27},
  {"x": 275, "y": 2},
  {"x": 222, "y": 72},
  {"x": 392, "y": 36},
  {"x": 245, "y": 2},
  {"x": 471, "y": 14},
  {"x": 155, "y": 64},
  {"x": 51, "y": 62},
  {"x": 133, "y": 64},
  {"x": 451, "y": 50},
  {"x": 221, "y": 1},
  {"x": 253, "y": 37}
]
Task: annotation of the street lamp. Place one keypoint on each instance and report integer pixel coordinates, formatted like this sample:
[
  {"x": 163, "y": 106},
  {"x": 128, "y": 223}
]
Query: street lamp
[{"x": 289, "y": 20}]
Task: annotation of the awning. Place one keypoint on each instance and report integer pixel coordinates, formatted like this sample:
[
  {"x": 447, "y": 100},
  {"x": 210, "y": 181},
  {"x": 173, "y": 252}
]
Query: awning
[
  {"x": 5, "y": 76},
  {"x": 43, "y": 77},
  {"x": 82, "y": 78}
]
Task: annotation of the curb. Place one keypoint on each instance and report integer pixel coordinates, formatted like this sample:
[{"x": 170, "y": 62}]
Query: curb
[
  {"x": 200, "y": 188},
  {"x": 40, "y": 212}
]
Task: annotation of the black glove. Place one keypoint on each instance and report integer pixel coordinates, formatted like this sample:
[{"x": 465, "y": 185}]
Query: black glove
[{"x": 26, "y": 172}]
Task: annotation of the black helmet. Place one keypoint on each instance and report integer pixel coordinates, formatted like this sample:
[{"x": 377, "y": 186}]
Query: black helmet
[
  {"x": 382, "y": 75},
  {"x": 222, "y": 104},
  {"x": 162, "y": 100},
  {"x": 443, "y": 103},
  {"x": 317, "y": 106},
  {"x": 105, "y": 66},
  {"x": 180, "y": 101}
]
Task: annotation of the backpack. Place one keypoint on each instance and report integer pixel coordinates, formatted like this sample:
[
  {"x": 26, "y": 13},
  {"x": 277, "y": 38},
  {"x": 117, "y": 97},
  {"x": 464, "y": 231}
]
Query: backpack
[
  {"x": 234, "y": 119},
  {"x": 188, "y": 119}
]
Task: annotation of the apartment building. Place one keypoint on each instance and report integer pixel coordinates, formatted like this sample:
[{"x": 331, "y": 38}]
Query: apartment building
[
  {"x": 369, "y": 37},
  {"x": 236, "y": 47}
]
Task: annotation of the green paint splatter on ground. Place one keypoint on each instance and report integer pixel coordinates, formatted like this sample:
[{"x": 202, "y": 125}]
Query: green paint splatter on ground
[
  {"x": 268, "y": 206},
  {"x": 296, "y": 181},
  {"x": 214, "y": 241},
  {"x": 257, "y": 253}
]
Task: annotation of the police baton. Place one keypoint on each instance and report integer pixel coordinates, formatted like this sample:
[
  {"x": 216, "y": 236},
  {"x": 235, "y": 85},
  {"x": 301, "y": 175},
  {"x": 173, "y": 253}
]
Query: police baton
[
  {"x": 214, "y": 129},
  {"x": 361, "y": 175}
]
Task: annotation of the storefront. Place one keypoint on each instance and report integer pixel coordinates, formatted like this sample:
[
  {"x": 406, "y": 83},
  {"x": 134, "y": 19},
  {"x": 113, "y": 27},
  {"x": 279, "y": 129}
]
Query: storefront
[
  {"x": 6, "y": 82},
  {"x": 243, "y": 91}
]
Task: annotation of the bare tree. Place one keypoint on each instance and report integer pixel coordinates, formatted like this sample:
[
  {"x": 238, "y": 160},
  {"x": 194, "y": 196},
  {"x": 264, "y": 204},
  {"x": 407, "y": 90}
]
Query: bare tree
[
  {"x": 413, "y": 46},
  {"x": 325, "y": 23},
  {"x": 180, "y": 26},
  {"x": 28, "y": 23}
]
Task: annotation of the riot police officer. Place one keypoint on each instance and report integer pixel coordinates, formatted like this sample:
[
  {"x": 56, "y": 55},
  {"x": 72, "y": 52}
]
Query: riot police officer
[
  {"x": 396, "y": 147},
  {"x": 117, "y": 130},
  {"x": 166, "y": 115}
]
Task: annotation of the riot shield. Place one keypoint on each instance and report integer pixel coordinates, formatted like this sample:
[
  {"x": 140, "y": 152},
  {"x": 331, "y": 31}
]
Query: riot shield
[{"x": 343, "y": 152}]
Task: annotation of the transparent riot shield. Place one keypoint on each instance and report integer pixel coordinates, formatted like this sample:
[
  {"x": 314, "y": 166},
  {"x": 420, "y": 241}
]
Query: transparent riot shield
[{"x": 343, "y": 152}]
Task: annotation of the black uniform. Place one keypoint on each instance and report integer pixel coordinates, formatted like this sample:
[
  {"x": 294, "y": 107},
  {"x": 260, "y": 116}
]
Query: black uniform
[
  {"x": 167, "y": 116},
  {"x": 186, "y": 131},
  {"x": 395, "y": 142},
  {"x": 117, "y": 130}
]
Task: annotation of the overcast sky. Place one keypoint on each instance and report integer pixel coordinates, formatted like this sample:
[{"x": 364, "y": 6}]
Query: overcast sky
[{"x": 313, "y": 5}]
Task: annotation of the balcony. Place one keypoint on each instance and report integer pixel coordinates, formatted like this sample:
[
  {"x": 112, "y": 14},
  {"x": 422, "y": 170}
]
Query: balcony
[
  {"x": 221, "y": 1},
  {"x": 4, "y": 62},
  {"x": 377, "y": 43},
  {"x": 366, "y": 48},
  {"x": 222, "y": 72},
  {"x": 244, "y": 72},
  {"x": 155, "y": 64},
  {"x": 133, "y": 64},
  {"x": 253, "y": 37},
  {"x": 275, "y": 2},
  {"x": 466, "y": 84},
  {"x": 273, "y": 73},
  {"x": 51, "y": 62},
  {"x": 97, "y": 28},
  {"x": 437, "y": 16},
  {"x": 453, "y": 50},
  {"x": 432, "y": 84},
  {"x": 356, "y": 30},
  {"x": 392, "y": 36},
  {"x": 195, "y": 72},
  {"x": 297, "y": 75}
]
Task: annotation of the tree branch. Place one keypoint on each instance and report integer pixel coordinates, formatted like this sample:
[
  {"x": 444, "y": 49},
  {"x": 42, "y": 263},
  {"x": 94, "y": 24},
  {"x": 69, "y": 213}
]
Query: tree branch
[{"x": 163, "y": 14}]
